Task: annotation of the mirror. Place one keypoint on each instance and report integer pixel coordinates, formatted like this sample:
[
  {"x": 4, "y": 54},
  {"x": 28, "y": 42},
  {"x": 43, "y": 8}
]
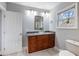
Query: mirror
[{"x": 38, "y": 23}]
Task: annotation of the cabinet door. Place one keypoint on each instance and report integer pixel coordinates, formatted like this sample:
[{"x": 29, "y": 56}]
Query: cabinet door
[
  {"x": 42, "y": 42},
  {"x": 51, "y": 40},
  {"x": 32, "y": 44},
  {"x": 39, "y": 44},
  {"x": 45, "y": 41}
]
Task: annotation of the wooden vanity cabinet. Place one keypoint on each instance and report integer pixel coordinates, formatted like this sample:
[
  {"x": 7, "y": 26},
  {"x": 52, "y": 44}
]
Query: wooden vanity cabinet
[
  {"x": 40, "y": 42},
  {"x": 32, "y": 41},
  {"x": 51, "y": 40}
]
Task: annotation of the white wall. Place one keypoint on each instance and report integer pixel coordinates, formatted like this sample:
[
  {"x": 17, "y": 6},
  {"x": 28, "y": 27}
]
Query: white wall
[
  {"x": 46, "y": 22},
  {"x": 3, "y": 6},
  {"x": 28, "y": 21},
  {"x": 27, "y": 25},
  {"x": 63, "y": 34},
  {"x": 2, "y": 9},
  {"x": 0, "y": 28},
  {"x": 52, "y": 21}
]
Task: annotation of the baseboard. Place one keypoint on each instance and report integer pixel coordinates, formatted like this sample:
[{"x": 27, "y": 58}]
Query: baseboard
[
  {"x": 6, "y": 54},
  {"x": 0, "y": 53},
  {"x": 57, "y": 49},
  {"x": 25, "y": 48}
]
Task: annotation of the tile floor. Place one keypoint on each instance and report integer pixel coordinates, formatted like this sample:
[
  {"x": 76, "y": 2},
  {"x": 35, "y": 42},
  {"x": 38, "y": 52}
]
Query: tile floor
[{"x": 46, "y": 52}]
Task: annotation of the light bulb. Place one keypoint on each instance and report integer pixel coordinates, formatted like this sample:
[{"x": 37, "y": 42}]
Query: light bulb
[
  {"x": 32, "y": 12},
  {"x": 27, "y": 12},
  {"x": 35, "y": 12},
  {"x": 47, "y": 14},
  {"x": 42, "y": 13}
]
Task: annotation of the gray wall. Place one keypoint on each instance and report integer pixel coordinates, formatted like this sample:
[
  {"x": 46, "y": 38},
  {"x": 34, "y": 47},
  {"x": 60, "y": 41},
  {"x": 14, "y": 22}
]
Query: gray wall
[
  {"x": 28, "y": 21},
  {"x": 62, "y": 34}
]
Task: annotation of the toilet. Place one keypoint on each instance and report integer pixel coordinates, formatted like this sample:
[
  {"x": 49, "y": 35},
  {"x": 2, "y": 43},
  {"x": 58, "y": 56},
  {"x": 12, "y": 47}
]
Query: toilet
[{"x": 72, "y": 48}]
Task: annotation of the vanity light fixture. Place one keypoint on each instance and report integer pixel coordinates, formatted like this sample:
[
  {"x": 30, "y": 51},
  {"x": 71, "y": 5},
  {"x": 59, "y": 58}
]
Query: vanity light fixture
[
  {"x": 35, "y": 12},
  {"x": 32, "y": 11},
  {"x": 27, "y": 12},
  {"x": 42, "y": 13},
  {"x": 47, "y": 14}
]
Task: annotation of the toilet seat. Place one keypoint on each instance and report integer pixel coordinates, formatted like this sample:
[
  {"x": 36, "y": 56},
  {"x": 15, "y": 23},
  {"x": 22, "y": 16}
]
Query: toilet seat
[{"x": 65, "y": 53}]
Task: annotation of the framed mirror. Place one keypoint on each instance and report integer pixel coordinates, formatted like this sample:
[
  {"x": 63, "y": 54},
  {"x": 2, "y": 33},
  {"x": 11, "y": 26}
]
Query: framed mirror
[{"x": 38, "y": 23}]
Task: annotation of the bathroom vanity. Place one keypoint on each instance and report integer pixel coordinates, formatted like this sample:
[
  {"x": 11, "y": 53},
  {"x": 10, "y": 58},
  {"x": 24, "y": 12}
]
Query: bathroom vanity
[{"x": 40, "y": 41}]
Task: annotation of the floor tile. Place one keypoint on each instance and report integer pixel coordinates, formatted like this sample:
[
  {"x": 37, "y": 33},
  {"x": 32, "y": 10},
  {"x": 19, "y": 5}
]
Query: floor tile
[{"x": 46, "y": 52}]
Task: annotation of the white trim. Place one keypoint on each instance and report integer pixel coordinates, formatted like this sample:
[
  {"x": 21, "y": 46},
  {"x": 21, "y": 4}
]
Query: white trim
[
  {"x": 5, "y": 54},
  {"x": 66, "y": 8},
  {"x": 2, "y": 8},
  {"x": 57, "y": 48},
  {"x": 67, "y": 27}
]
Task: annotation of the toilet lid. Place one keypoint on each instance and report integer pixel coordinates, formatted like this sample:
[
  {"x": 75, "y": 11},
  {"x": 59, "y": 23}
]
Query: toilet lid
[{"x": 65, "y": 53}]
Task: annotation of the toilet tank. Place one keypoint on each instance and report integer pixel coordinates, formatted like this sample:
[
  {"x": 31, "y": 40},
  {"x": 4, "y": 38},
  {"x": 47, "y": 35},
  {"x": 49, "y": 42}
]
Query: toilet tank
[{"x": 73, "y": 46}]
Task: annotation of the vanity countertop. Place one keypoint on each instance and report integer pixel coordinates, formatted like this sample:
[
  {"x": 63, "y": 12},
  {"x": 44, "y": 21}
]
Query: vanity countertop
[{"x": 40, "y": 33}]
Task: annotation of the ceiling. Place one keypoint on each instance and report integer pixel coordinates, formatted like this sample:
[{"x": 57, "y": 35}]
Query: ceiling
[{"x": 40, "y": 5}]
